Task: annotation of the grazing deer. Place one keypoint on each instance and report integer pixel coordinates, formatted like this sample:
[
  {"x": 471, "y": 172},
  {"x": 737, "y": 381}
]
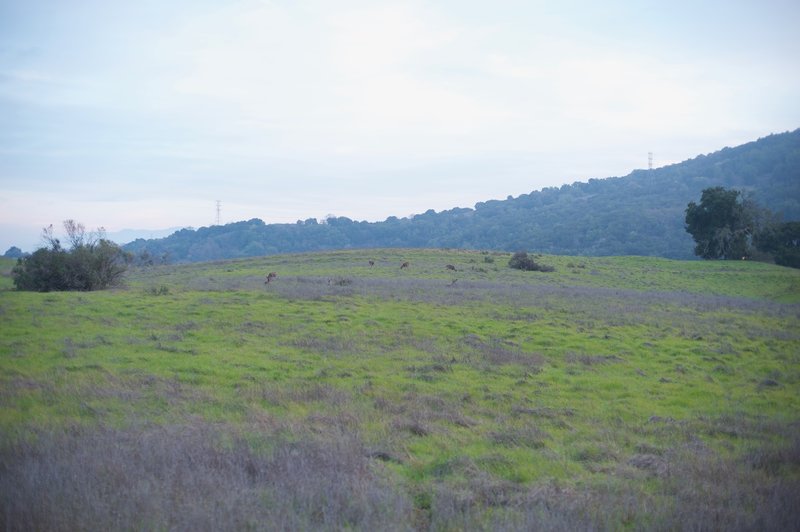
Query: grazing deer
[
  {"x": 404, "y": 265},
  {"x": 372, "y": 263},
  {"x": 451, "y": 267},
  {"x": 270, "y": 277}
]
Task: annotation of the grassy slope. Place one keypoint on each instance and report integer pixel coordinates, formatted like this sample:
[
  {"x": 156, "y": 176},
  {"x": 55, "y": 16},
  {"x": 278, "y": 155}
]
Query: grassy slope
[{"x": 600, "y": 380}]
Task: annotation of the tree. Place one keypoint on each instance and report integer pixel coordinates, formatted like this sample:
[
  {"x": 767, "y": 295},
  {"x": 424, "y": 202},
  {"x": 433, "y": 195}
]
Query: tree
[
  {"x": 782, "y": 241},
  {"x": 722, "y": 225},
  {"x": 13, "y": 253},
  {"x": 728, "y": 225},
  {"x": 92, "y": 262}
]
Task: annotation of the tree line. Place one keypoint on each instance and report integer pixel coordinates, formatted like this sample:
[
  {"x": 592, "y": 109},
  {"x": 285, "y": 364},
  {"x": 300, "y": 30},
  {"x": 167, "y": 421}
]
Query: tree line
[
  {"x": 726, "y": 224},
  {"x": 639, "y": 214}
]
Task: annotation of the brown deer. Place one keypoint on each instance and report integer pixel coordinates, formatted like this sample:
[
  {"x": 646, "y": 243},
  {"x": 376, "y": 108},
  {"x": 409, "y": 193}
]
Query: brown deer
[
  {"x": 270, "y": 277},
  {"x": 372, "y": 263},
  {"x": 404, "y": 265},
  {"x": 451, "y": 267}
]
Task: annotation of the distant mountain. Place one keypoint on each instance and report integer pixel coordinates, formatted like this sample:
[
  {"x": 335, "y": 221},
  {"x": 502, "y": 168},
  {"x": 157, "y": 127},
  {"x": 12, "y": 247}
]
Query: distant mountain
[
  {"x": 638, "y": 214},
  {"x": 128, "y": 235}
]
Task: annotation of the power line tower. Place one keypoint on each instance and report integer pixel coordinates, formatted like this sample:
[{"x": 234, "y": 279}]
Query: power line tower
[
  {"x": 219, "y": 208},
  {"x": 649, "y": 160}
]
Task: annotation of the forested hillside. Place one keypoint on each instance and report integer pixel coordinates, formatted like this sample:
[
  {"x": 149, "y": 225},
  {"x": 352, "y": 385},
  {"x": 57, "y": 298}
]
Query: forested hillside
[{"x": 638, "y": 214}]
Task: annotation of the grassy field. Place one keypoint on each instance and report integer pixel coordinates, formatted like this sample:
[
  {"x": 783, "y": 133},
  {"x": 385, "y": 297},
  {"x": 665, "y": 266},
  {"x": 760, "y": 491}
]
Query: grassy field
[{"x": 614, "y": 393}]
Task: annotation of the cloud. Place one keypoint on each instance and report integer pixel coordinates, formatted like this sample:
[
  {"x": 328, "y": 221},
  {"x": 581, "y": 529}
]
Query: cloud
[
  {"x": 290, "y": 109},
  {"x": 331, "y": 82},
  {"x": 365, "y": 81}
]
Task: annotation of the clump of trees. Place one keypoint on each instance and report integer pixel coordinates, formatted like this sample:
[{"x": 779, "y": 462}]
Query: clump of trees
[
  {"x": 782, "y": 241},
  {"x": 521, "y": 261},
  {"x": 13, "y": 253},
  {"x": 728, "y": 225},
  {"x": 90, "y": 262}
]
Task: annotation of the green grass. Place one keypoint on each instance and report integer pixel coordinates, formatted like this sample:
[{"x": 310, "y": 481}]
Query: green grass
[{"x": 476, "y": 397}]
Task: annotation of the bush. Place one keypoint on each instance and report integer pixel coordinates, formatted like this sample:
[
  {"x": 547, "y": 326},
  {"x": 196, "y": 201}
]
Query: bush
[
  {"x": 91, "y": 264},
  {"x": 521, "y": 261},
  {"x": 162, "y": 290}
]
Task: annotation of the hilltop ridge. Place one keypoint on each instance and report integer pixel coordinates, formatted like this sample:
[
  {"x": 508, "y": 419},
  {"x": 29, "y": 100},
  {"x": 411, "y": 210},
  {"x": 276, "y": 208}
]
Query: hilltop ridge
[{"x": 641, "y": 213}]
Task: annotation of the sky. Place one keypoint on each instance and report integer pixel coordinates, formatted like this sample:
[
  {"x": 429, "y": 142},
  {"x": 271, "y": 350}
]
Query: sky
[{"x": 143, "y": 115}]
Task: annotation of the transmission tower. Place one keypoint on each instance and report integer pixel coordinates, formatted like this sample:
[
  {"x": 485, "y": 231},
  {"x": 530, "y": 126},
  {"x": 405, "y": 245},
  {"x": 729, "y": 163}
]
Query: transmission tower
[
  {"x": 219, "y": 208},
  {"x": 649, "y": 160}
]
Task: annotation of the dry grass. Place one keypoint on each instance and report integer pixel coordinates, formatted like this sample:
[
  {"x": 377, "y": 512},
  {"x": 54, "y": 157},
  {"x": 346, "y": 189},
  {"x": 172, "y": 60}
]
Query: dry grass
[
  {"x": 700, "y": 491},
  {"x": 198, "y": 477}
]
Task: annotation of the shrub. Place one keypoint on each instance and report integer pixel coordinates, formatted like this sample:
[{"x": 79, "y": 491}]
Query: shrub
[
  {"x": 162, "y": 290},
  {"x": 521, "y": 261},
  {"x": 92, "y": 263}
]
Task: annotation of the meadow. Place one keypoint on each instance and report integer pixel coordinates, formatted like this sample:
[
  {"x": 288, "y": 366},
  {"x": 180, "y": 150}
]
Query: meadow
[{"x": 613, "y": 393}]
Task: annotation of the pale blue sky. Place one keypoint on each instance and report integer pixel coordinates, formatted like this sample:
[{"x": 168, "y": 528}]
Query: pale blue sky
[{"x": 143, "y": 114}]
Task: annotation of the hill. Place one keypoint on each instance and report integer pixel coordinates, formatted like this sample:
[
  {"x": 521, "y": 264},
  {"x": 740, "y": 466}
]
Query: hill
[{"x": 638, "y": 214}]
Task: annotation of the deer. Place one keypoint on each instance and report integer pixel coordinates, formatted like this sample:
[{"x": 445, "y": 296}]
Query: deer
[
  {"x": 372, "y": 263},
  {"x": 404, "y": 265},
  {"x": 270, "y": 277},
  {"x": 451, "y": 267}
]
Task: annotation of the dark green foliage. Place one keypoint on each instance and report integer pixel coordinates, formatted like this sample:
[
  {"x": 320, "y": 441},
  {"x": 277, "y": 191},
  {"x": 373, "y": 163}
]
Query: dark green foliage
[
  {"x": 521, "y": 261},
  {"x": 720, "y": 225},
  {"x": 783, "y": 242},
  {"x": 44, "y": 270},
  {"x": 639, "y": 214},
  {"x": 91, "y": 264},
  {"x": 726, "y": 225}
]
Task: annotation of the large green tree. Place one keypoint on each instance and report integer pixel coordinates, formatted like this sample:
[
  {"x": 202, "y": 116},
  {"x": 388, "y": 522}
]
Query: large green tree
[
  {"x": 722, "y": 224},
  {"x": 728, "y": 225}
]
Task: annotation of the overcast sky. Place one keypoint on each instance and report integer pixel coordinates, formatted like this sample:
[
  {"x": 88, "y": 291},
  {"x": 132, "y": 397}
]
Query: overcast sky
[{"x": 142, "y": 114}]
